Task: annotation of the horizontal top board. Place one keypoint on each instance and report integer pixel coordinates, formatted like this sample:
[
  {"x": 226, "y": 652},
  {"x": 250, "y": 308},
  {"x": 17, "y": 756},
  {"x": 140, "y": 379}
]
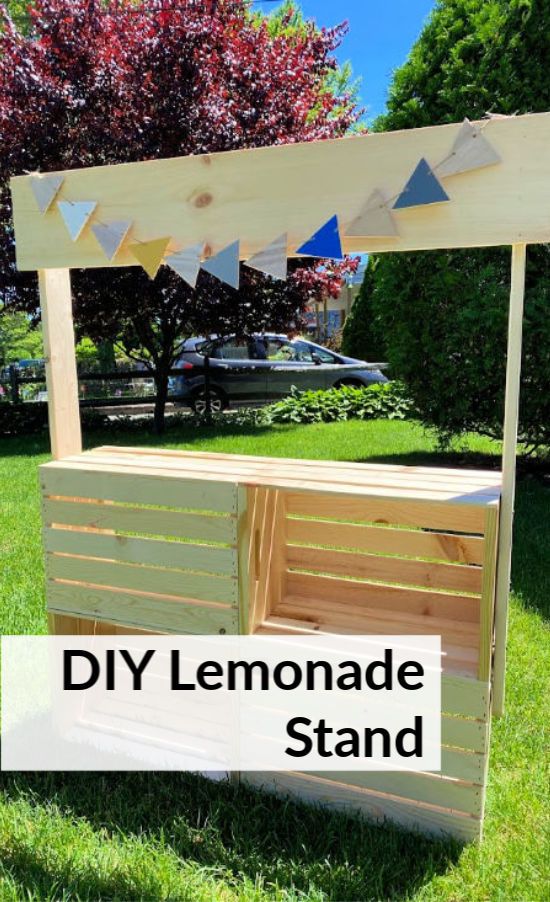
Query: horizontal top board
[
  {"x": 255, "y": 195},
  {"x": 367, "y": 480}
]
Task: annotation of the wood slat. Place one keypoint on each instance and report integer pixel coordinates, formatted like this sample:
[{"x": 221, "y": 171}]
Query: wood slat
[
  {"x": 257, "y": 469},
  {"x": 467, "y": 518},
  {"x": 372, "y": 595},
  {"x": 374, "y": 806},
  {"x": 488, "y": 593},
  {"x": 141, "y": 520},
  {"x": 434, "y": 790},
  {"x": 162, "y": 489},
  {"x": 179, "y": 584},
  {"x": 385, "y": 540},
  {"x": 395, "y": 570},
  {"x": 489, "y": 477},
  {"x": 131, "y": 550},
  {"x": 164, "y": 615}
]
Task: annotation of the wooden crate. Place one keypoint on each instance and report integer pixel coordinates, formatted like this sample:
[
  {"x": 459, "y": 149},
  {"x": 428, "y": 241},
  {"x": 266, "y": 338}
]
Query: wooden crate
[{"x": 166, "y": 541}]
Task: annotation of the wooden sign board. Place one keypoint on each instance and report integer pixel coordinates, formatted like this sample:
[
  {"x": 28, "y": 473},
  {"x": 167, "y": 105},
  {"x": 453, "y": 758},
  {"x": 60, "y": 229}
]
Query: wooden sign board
[{"x": 254, "y": 195}]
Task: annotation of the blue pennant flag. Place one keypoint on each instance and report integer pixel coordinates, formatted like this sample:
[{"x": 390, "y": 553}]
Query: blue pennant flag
[
  {"x": 324, "y": 243},
  {"x": 421, "y": 189}
]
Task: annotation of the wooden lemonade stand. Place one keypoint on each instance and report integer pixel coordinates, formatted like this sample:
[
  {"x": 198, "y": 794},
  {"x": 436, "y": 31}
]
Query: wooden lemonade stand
[{"x": 291, "y": 546}]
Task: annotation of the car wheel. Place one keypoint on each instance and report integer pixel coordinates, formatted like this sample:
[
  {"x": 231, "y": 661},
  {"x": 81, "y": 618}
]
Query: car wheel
[{"x": 218, "y": 402}]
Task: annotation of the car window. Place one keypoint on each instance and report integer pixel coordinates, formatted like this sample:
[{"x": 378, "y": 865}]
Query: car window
[
  {"x": 323, "y": 355},
  {"x": 233, "y": 349},
  {"x": 295, "y": 352}
]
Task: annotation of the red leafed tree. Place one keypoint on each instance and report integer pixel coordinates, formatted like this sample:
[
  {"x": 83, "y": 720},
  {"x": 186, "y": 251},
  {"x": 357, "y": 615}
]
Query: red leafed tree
[{"x": 89, "y": 83}]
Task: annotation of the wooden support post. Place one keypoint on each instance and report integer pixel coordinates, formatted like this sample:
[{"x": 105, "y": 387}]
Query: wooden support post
[
  {"x": 59, "y": 348},
  {"x": 511, "y": 413}
]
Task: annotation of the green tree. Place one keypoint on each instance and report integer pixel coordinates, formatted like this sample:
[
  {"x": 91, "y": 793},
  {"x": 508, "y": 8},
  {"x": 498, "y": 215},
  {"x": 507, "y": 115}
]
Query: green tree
[
  {"x": 19, "y": 339},
  {"x": 363, "y": 336},
  {"x": 444, "y": 315}
]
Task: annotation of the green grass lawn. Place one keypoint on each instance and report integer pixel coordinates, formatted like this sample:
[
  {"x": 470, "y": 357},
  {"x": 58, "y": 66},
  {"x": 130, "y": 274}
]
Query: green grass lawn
[{"x": 152, "y": 836}]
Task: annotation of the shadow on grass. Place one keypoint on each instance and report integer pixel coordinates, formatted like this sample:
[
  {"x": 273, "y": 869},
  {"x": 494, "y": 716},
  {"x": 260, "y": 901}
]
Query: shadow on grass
[{"x": 233, "y": 830}]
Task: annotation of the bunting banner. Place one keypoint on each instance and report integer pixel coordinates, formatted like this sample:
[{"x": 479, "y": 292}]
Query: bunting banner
[
  {"x": 325, "y": 242},
  {"x": 272, "y": 260},
  {"x": 111, "y": 236},
  {"x": 75, "y": 215},
  {"x": 471, "y": 150},
  {"x": 225, "y": 265},
  {"x": 375, "y": 221},
  {"x": 187, "y": 263},
  {"x": 150, "y": 254},
  {"x": 45, "y": 189},
  {"x": 422, "y": 188}
]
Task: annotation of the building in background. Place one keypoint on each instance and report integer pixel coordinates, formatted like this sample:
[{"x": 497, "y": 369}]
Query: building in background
[{"x": 327, "y": 319}]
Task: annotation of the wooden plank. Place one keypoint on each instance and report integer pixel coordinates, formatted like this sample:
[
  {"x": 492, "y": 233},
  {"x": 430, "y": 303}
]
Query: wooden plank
[
  {"x": 467, "y": 518},
  {"x": 488, "y": 594},
  {"x": 465, "y": 697},
  {"x": 59, "y": 352},
  {"x": 200, "y": 198},
  {"x": 409, "y": 600},
  {"x": 164, "y": 615},
  {"x": 142, "y": 520},
  {"x": 245, "y": 505},
  {"x": 385, "y": 540},
  {"x": 461, "y": 765},
  {"x": 259, "y": 468},
  {"x": 374, "y": 806},
  {"x": 433, "y": 789},
  {"x": 273, "y": 477},
  {"x": 395, "y": 570},
  {"x": 131, "y": 550},
  {"x": 134, "y": 577},
  {"x": 484, "y": 477},
  {"x": 465, "y": 734},
  {"x": 509, "y": 442},
  {"x": 166, "y": 489}
]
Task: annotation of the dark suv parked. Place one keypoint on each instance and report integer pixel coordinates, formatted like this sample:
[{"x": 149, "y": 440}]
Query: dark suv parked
[{"x": 264, "y": 368}]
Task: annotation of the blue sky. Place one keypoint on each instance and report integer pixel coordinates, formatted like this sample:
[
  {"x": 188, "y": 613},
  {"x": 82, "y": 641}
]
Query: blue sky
[{"x": 381, "y": 33}]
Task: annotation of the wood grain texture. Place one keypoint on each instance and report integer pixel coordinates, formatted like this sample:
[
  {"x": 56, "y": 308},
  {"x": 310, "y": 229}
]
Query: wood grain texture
[
  {"x": 135, "y": 577},
  {"x": 98, "y": 515},
  {"x": 509, "y": 443},
  {"x": 59, "y": 352},
  {"x": 256, "y": 194},
  {"x": 378, "y": 807},
  {"x": 165, "y": 615},
  {"x": 163, "y": 488},
  {"x": 428, "y": 574},
  {"x": 385, "y": 540},
  {"x": 131, "y": 550}
]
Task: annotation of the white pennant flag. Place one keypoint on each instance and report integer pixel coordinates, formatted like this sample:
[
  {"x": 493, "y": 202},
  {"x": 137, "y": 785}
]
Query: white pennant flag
[
  {"x": 76, "y": 215},
  {"x": 375, "y": 221},
  {"x": 45, "y": 188},
  {"x": 225, "y": 265},
  {"x": 272, "y": 261},
  {"x": 111, "y": 236},
  {"x": 187, "y": 263},
  {"x": 471, "y": 150}
]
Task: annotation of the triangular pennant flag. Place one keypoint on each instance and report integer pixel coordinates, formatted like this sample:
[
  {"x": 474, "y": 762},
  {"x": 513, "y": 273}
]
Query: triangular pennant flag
[
  {"x": 110, "y": 236},
  {"x": 150, "y": 254},
  {"x": 225, "y": 265},
  {"x": 422, "y": 188},
  {"x": 325, "y": 242},
  {"x": 187, "y": 263},
  {"x": 272, "y": 260},
  {"x": 471, "y": 150},
  {"x": 45, "y": 188},
  {"x": 76, "y": 215},
  {"x": 375, "y": 221}
]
